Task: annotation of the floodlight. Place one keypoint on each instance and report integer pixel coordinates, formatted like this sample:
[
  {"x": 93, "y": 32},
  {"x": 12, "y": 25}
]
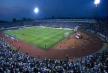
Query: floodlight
[
  {"x": 36, "y": 10},
  {"x": 97, "y": 2}
]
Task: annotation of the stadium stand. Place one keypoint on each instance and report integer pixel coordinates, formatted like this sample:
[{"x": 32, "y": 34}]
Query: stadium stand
[{"x": 13, "y": 61}]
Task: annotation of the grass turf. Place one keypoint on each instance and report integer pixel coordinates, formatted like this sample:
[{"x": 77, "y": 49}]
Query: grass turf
[{"x": 43, "y": 38}]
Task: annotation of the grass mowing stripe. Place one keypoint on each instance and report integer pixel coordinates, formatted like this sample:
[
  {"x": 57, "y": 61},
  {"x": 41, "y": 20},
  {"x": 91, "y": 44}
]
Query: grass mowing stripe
[{"x": 52, "y": 39}]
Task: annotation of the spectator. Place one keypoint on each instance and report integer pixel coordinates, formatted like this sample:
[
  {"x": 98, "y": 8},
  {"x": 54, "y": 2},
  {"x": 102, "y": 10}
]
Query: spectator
[{"x": 12, "y": 61}]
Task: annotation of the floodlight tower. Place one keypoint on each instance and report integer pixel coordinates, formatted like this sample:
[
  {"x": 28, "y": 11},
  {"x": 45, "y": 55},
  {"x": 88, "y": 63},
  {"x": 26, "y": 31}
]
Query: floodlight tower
[{"x": 96, "y": 2}]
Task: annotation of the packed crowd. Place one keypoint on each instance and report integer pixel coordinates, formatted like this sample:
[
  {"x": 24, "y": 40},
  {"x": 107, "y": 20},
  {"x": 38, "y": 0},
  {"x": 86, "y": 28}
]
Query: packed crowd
[{"x": 13, "y": 61}]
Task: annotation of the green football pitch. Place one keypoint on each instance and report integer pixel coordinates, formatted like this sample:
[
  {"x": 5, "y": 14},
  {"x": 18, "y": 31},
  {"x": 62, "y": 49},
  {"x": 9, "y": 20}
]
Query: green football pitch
[{"x": 42, "y": 37}]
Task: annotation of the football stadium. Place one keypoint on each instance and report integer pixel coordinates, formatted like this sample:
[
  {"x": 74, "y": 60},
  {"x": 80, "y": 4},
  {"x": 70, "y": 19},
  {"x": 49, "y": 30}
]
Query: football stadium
[{"x": 48, "y": 41}]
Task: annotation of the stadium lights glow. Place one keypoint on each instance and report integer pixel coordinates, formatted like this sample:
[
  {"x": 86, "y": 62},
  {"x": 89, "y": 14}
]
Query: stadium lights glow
[
  {"x": 97, "y": 2},
  {"x": 36, "y": 10}
]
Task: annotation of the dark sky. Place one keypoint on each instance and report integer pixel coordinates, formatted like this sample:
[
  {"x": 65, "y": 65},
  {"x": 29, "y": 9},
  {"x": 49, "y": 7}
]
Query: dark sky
[{"x": 58, "y": 8}]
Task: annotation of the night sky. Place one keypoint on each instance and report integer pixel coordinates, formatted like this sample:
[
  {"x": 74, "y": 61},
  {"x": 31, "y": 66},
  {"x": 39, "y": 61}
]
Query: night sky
[{"x": 47, "y": 8}]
